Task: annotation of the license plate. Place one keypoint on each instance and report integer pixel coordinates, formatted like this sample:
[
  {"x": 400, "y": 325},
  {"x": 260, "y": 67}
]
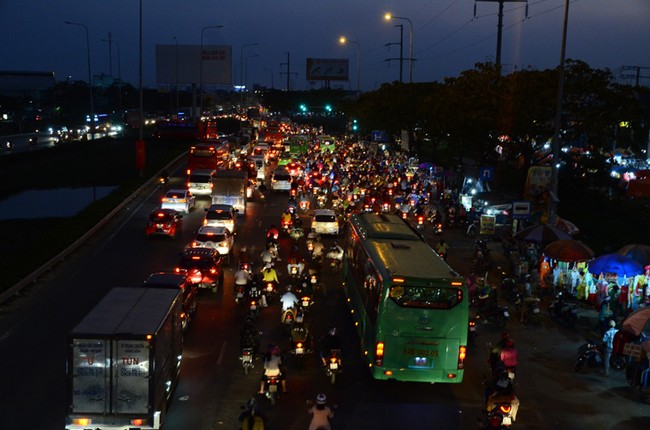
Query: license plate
[
  {"x": 314, "y": 280},
  {"x": 247, "y": 359},
  {"x": 536, "y": 311},
  {"x": 253, "y": 307},
  {"x": 305, "y": 303},
  {"x": 273, "y": 388},
  {"x": 334, "y": 366},
  {"x": 506, "y": 421},
  {"x": 240, "y": 295},
  {"x": 506, "y": 314},
  {"x": 294, "y": 270},
  {"x": 472, "y": 328},
  {"x": 299, "y": 350},
  {"x": 511, "y": 375}
]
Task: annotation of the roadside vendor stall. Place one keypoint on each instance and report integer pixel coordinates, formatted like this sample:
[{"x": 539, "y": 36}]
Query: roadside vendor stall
[
  {"x": 568, "y": 266},
  {"x": 618, "y": 277}
]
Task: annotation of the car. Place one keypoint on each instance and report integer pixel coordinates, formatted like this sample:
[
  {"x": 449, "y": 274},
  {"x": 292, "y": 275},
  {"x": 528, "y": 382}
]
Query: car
[
  {"x": 260, "y": 167},
  {"x": 221, "y": 215},
  {"x": 216, "y": 237},
  {"x": 164, "y": 222},
  {"x": 199, "y": 183},
  {"x": 179, "y": 200},
  {"x": 324, "y": 221},
  {"x": 204, "y": 267},
  {"x": 280, "y": 180},
  {"x": 177, "y": 281}
]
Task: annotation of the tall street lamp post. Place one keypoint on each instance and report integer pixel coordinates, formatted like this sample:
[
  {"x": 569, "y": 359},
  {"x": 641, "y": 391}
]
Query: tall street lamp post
[
  {"x": 241, "y": 62},
  {"x": 246, "y": 69},
  {"x": 388, "y": 17},
  {"x": 201, "y": 68},
  {"x": 343, "y": 40},
  {"x": 176, "y": 54},
  {"x": 90, "y": 82}
]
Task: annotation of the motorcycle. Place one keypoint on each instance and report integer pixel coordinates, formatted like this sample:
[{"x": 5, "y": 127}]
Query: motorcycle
[
  {"x": 472, "y": 230},
  {"x": 334, "y": 257},
  {"x": 9, "y": 145},
  {"x": 271, "y": 390},
  {"x": 247, "y": 359},
  {"x": 509, "y": 288},
  {"x": 420, "y": 224},
  {"x": 33, "y": 140},
  {"x": 530, "y": 308},
  {"x": 500, "y": 416},
  {"x": 270, "y": 289},
  {"x": 437, "y": 228},
  {"x": 253, "y": 309},
  {"x": 499, "y": 315},
  {"x": 566, "y": 313},
  {"x": 240, "y": 294},
  {"x": 293, "y": 270},
  {"x": 592, "y": 354},
  {"x": 333, "y": 366}
]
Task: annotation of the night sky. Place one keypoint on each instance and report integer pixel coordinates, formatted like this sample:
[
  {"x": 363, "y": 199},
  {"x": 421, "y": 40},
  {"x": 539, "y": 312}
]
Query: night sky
[{"x": 447, "y": 36}]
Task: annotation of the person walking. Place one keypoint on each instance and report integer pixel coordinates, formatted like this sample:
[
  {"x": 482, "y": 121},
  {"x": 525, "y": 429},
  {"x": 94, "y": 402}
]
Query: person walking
[{"x": 608, "y": 340}]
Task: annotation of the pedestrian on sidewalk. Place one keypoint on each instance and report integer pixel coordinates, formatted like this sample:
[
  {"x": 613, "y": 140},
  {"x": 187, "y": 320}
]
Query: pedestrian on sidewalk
[{"x": 608, "y": 340}]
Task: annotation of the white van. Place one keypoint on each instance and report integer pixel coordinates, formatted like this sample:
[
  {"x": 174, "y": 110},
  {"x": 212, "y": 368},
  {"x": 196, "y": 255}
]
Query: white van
[
  {"x": 199, "y": 182},
  {"x": 324, "y": 221}
]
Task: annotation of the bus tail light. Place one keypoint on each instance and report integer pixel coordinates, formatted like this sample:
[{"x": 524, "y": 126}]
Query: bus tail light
[
  {"x": 462, "y": 353},
  {"x": 379, "y": 354},
  {"x": 138, "y": 422}
]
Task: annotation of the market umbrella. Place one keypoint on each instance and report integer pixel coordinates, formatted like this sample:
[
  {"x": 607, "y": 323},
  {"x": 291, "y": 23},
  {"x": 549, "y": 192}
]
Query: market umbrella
[
  {"x": 638, "y": 322},
  {"x": 566, "y": 226},
  {"x": 542, "y": 233},
  {"x": 426, "y": 165},
  {"x": 569, "y": 251},
  {"x": 638, "y": 253},
  {"x": 615, "y": 263}
]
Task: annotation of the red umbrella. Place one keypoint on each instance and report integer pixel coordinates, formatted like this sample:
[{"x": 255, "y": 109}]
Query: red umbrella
[
  {"x": 569, "y": 251},
  {"x": 638, "y": 322}
]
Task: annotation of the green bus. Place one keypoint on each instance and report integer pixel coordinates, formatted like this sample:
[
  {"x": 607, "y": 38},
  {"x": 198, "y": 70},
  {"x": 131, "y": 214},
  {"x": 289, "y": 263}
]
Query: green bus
[
  {"x": 298, "y": 144},
  {"x": 409, "y": 307}
]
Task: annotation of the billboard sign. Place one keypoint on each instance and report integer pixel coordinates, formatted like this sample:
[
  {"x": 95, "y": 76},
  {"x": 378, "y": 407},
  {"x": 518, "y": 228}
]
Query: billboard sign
[
  {"x": 182, "y": 64},
  {"x": 327, "y": 69}
]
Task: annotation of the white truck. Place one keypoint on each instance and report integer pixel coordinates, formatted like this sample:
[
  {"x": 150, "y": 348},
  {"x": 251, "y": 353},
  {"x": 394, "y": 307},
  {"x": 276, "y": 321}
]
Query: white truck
[
  {"x": 231, "y": 187},
  {"x": 124, "y": 359}
]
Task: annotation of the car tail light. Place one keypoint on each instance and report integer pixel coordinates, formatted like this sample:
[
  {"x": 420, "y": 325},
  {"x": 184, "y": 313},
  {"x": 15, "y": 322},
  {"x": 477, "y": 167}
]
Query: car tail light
[
  {"x": 462, "y": 353},
  {"x": 379, "y": 354}
]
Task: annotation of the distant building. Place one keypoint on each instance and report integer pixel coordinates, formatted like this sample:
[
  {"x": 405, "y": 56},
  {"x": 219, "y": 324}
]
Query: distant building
[{"x": 27, "y": 85}]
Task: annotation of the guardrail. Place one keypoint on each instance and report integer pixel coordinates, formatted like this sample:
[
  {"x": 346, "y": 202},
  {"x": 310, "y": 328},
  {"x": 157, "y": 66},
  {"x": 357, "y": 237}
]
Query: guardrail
[{"x": 36, "y": 274}]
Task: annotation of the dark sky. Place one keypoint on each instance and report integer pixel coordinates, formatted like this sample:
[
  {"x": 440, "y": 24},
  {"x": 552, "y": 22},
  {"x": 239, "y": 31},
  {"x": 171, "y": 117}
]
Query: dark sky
[{"x": 447, "y": 36}]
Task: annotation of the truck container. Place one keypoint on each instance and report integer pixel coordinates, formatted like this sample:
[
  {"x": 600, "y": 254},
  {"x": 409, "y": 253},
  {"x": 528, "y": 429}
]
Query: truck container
[
  {"x": 124, "y": 359},
  {"x": 230, "y": 187}
]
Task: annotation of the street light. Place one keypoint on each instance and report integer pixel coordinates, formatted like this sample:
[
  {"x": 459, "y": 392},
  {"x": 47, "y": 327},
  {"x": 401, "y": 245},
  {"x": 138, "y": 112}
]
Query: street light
[
  {"x": 176, "y": 54},
  {"x": 241, "y": 62},
  {"x": 343, "y": 40},
  {"x": 201, "y": 67},
  {"x": 90, "y": 82},
  {"x": 246, "y": 68},
  {"x": 388, "y": 17}
]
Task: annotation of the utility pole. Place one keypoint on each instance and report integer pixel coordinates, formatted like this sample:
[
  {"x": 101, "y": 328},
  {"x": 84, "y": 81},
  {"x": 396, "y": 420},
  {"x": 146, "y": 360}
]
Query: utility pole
[
  {"x": 288, "y": 64},
  {"x": 110, "y": 54},
  {"x": 401, "y": 51},
  {"x": 500, "y": 24}
]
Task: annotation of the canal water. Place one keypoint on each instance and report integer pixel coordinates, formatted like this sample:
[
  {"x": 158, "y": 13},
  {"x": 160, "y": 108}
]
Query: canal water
[{"x": 54, "y": 203}]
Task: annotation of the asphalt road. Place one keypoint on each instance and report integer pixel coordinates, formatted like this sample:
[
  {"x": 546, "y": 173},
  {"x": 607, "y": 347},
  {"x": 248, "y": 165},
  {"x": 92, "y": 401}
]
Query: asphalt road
[{"x": 213, "y": 386}]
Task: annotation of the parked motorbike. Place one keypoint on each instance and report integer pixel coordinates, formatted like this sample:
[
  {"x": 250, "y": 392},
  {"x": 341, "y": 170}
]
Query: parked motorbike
[
  {"x": 592, "y": 354},
  {"x": 566, "y": 313},
  {"x": 499, "y": 315},
  {"x": 334, "y": 365}
]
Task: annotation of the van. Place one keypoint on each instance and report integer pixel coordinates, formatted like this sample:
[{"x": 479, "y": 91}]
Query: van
[
  {"x": 199, "y": 182},
  {"x": 221, "y": 215},
  {"x": 260, "y": 167},
  {"x": 324, "y": 221}
]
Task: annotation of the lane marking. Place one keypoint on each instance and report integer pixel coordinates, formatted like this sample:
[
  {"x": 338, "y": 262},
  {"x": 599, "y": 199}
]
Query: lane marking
[{"x": 222, "y": 353}]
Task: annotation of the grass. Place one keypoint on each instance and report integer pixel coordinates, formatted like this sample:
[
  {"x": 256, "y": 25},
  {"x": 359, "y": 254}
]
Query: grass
[{"x": 28, "y": 244}]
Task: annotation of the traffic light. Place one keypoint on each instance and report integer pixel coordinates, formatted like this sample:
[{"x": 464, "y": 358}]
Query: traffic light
[
  {"x": 328, "y": 107},
  {"x": 303, "y": 107},
  {"x": 355, "y": 125}
]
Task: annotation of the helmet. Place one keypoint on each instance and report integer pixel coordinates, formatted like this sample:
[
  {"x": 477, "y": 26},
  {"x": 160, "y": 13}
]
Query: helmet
[
  {"x": 288, "y": 287},
  {"x": 275, "y": 350},
  {"x": 321, "y": 399},
  {"x": 243, "y": 249},
  {"x": 612, "y": 323}
]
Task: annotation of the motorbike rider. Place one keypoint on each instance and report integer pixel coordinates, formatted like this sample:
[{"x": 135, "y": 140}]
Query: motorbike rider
[
  {"x": 335, "y": 252},
  {"x": 269, "y": 274},
  {"x": 300, "y": 331},
  {"x": 293, "y": 203},
  {"x": 331, "y": 341},
  {"x": 317, "y": 252},
  {"x": 252, "y": 418},
  {"x": 286, "y": 217},
  {"x": 272, "y": 234},
  {"x": 273, "y": 367},
  {"x": 244, "y": 256},
  {"x": 289, "y": 302},
  {"x": 242, "y": 277},
  {"x": 321, "y": 414},
  {"x": 494, "y": 359},
  {"x": 248, "y": 339},
  {"x": 295, "y": 259},
  {"x": 266, "y": 255},
  {"x": 509, "y": 355},
  {"x": 442, "y": 249},
  {"x": 501, "y": 390}
]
